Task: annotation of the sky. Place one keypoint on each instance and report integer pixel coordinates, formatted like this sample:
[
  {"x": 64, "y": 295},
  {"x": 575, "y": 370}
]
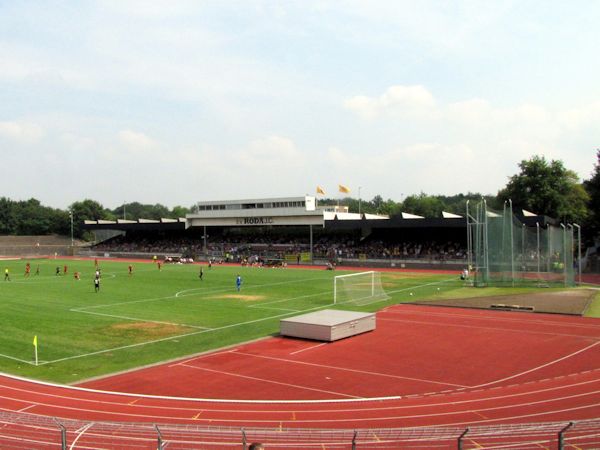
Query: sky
[{"x": 175, "y": 102}]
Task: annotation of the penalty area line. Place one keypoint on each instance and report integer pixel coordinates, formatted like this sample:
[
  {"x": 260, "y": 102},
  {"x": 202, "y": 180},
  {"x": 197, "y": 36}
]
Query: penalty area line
[
  {"x": 170, "y": 338},
  {"x": 135, "y": 319}
]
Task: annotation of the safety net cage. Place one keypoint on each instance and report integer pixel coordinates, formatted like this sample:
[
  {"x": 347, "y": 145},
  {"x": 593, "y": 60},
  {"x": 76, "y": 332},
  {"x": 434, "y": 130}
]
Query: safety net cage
[{"x": 504, "y": 251}]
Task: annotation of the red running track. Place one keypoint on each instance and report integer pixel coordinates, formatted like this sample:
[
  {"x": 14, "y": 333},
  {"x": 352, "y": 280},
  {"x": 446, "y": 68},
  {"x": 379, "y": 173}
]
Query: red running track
[{"x": 433, "y": 366}]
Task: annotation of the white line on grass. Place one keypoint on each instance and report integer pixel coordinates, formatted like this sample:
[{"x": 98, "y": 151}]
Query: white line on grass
[
  {"x": 274, "y": 309},
  {"x": 145, "y": 320},
  {"x": 179, "y": 294},
  {"x": 260, "y": 305},
  {"x": 139, "y": 344},
  {"x": 85, "y": 308},
  {"x": 17, "y": 359}
]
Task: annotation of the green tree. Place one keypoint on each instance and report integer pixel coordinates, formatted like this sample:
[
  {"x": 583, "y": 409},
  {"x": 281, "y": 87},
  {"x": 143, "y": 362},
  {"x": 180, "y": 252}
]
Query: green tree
[
  {"x": 423, "y": 205},
  {"x": 592, "y": 187},
  {"x": 136, "y": 210},
  {"x": 547, "y": 188},
  {"x": 87, "y": 210},
  {"x": 179, "y": 211},
  {"x": 8, "y": 217}
]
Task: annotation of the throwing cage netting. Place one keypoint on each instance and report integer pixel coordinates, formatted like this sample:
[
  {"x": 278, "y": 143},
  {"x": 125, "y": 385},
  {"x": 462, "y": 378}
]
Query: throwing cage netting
[{"x": 503, "y": 251}]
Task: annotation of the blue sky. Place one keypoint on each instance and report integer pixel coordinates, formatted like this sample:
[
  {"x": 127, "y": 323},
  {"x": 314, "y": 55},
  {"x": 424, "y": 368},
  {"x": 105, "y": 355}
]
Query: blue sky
[{"x": 181, "y": 101}]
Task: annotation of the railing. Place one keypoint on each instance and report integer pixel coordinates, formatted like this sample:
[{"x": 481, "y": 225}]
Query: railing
[{"x": 30, "y": 431}]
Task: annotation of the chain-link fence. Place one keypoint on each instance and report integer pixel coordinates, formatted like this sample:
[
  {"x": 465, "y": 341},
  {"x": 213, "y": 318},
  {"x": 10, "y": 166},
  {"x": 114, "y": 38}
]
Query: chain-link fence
[{"x": 30, "y": 431}]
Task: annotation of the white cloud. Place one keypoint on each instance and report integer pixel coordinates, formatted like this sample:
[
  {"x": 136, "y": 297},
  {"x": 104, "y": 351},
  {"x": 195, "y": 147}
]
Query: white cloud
[
  {"x": 136, "y": 141},
  {"x": 271, "y": 153},
  {"x": 405, "y": 101},
  {"x": 21, "y": 132}
]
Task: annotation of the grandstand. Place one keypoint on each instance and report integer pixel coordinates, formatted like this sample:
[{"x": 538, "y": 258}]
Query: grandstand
[
  {"x": 286, "y": 228},
  {"x": 36, "y": 245}
]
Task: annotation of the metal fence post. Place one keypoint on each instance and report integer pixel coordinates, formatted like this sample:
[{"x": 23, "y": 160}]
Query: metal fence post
[
  {"x": 354, "y": 440},
  {"x": 159, "y": 445},
  {"x": 561, "y": 438},
  {"x": 63, "y": 435},
  {"x": 244, "y": 443},
  {"x": 460, "y": 438}
]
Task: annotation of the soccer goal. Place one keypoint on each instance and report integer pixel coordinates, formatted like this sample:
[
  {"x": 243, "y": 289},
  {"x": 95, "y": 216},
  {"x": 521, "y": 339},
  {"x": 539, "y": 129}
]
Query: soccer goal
[{"x": 358, "y": 288}]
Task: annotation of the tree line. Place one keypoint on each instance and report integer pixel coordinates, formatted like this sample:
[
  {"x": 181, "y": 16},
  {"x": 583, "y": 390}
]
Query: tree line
[{"x": 541, "y": 186}]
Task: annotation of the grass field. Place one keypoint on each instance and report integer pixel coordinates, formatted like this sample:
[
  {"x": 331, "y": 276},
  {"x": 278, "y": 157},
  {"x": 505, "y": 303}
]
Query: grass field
[{"x": 155, "y": 316}]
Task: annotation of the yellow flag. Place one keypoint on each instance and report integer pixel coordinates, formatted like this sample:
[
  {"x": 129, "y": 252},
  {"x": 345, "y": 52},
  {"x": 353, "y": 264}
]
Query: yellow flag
[
  {"x": 35, "y": 341},
  {"x": 344, "y": 189},
  {"x": 320, "y": 190}
]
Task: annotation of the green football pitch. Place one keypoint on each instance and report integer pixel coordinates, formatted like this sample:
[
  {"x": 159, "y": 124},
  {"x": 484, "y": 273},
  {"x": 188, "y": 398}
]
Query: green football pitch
[{"x": 153, "y": 316}]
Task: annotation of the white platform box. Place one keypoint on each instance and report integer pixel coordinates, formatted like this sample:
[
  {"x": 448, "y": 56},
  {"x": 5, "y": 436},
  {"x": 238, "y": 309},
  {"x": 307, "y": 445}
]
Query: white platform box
[{"x": 328, "y": 324}]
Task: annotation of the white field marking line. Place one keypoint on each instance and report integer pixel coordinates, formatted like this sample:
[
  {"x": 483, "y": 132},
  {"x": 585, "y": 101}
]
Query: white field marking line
[
  {"x": 433, "y": 283},
  {"x": 308, "y": 348},
  {"x": 487, "y": 317},
  {"x": 179, "y": 294},
  {"x": 290, "y": 299},
  {"x": 134, "y": 319},
  {"x": 398, "y": 290},
  {"x": 139, "y": 344},
  {"x": 344, "y": 369},
  {"x": 83, "y": 430},
  {"x": 253, "y": 286},
  {"x": 274, "y": 309},
  {"x": 17, "y": 359},
  {"x": 570, "y": 355},
  {"x": 264, "y": 380},
  {"x": 476, "y": 327}
]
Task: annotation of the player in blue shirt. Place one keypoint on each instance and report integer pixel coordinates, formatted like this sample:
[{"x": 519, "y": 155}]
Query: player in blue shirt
[{"x": 238, "y": 282}]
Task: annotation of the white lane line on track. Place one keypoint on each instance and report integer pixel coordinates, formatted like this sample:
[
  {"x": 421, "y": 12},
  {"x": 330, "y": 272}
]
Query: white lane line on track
[
  {"x": 308, "y": 348},
  {"x": 278, "y": 420},
  {"x": 570, "y": 355},
  {"x": 443, "y": 324},
  {"x": 345, "y": 369},
  {"x": 27, "y": 407},
  {"x": 81, "y": 433},
  {"x": 264, "y": 380},
  {"x": 402, "y": 309},
  {"x": 288, "y": 402},
  {"x": 195, "y": 358}
]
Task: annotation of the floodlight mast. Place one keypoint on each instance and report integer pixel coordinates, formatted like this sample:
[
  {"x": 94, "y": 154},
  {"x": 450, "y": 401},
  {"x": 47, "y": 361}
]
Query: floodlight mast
[{"x": 71, "y": 217}]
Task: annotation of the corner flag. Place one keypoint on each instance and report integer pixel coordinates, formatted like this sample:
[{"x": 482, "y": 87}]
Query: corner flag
[
  {"x": 35, "y": 348},
  {"x": 344, "y": 189}
]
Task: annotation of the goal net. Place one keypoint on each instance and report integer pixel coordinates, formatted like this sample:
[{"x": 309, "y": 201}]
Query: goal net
[{"x": 358, "y": 288}]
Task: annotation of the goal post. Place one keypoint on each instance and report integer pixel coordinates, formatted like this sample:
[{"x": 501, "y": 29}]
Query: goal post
[{"x": 359, "y": 288}]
